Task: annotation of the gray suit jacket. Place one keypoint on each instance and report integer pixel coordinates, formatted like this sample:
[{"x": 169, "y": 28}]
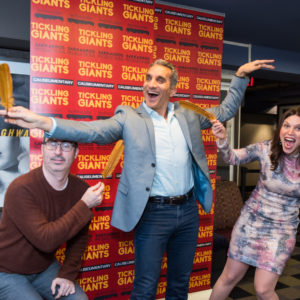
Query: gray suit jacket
[{"x": 136, "y": 129}]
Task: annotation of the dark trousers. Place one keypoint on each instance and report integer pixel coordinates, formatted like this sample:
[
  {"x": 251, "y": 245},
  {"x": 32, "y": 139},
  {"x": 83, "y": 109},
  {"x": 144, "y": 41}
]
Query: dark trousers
[{"x": 170, "y": 228}]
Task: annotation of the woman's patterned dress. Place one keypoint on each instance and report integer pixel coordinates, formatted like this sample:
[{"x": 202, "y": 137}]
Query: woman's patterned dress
[{"x": 264, "y": 236}]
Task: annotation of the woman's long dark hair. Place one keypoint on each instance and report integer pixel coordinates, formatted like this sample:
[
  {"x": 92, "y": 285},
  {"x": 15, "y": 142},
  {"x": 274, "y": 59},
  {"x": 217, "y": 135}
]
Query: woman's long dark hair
[{"x": 276, "y": 148}]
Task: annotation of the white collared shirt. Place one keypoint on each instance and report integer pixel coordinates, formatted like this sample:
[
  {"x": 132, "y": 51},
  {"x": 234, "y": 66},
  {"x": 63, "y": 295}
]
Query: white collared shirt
[{"x": 173, "y": 174}]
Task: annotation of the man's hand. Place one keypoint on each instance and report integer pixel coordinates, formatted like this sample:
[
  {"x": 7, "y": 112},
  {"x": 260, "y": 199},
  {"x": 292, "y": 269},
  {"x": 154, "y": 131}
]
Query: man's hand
[
  {"x": 219, "y": 130},
  {"x": 66, "y": 287},
  {"x": 21, "y": 116},
  {"x": 253, "y": 66},
  {"x": 93, "y": 195}
]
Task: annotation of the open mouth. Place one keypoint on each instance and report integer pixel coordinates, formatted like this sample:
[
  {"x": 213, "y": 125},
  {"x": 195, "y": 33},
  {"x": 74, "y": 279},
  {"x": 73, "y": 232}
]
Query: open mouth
[
  {"x": 152, "y": 94},
  {"x": 289, "y": 142}
]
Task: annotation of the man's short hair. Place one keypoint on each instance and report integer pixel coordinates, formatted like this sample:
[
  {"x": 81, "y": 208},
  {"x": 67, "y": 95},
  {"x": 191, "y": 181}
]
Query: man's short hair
[{"x": 174, "y": 74}]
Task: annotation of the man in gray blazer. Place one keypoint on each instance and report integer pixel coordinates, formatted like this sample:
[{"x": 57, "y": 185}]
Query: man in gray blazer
[{"x": 164, "y": 172}]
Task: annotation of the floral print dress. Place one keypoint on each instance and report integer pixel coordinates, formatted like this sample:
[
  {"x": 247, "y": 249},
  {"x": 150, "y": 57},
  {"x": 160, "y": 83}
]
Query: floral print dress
[{"x": 264, "y": 235}]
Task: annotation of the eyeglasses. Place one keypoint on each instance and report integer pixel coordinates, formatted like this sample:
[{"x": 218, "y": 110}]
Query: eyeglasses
[{"x": 64, "y": 146}]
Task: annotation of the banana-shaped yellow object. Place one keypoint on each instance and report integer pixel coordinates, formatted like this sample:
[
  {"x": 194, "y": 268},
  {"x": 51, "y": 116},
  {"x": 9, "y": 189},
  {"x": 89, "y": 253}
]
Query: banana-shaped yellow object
[
  {"x": 114, "y": 158},
  {"x": 6, "y": 87},
  {"x": 197, "y": 109}
]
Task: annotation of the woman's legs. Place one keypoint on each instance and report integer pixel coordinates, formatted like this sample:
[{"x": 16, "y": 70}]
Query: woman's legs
[
  {"x": 233, "y": 272},
  {"x": 265, "y": 283}
]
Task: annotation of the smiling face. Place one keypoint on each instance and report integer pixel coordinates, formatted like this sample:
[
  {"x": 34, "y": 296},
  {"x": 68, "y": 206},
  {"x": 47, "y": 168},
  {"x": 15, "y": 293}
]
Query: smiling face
[
  {"x": 290, "y": 135},
  {"x": 157, "y": 88}
]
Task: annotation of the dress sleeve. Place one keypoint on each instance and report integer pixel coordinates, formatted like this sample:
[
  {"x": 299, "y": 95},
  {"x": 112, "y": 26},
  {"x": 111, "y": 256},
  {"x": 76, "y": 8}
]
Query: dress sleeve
[{"x": 240, "y": 156}]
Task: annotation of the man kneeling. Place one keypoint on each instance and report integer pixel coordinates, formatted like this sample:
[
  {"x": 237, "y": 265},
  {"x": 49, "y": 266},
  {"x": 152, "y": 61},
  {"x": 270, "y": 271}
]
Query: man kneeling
[{"x": 43, "y": 209}]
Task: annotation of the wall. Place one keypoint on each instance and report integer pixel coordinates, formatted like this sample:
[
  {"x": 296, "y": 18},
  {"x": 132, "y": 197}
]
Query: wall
[{"x": 256, "y": 128}]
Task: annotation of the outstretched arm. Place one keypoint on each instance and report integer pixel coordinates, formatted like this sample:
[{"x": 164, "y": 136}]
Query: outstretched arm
[
  {"x": 234, "y": 156},
  {"x": 229, "y": 106},
  {"x": 23, "y": 117}
]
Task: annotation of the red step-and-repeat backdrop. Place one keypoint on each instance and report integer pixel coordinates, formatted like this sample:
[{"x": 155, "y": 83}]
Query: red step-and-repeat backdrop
[{"x": 89, "y": 56}]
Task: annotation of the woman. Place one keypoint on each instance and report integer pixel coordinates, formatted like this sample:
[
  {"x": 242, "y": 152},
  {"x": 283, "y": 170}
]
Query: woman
[{"x": 264, "y": 236}]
